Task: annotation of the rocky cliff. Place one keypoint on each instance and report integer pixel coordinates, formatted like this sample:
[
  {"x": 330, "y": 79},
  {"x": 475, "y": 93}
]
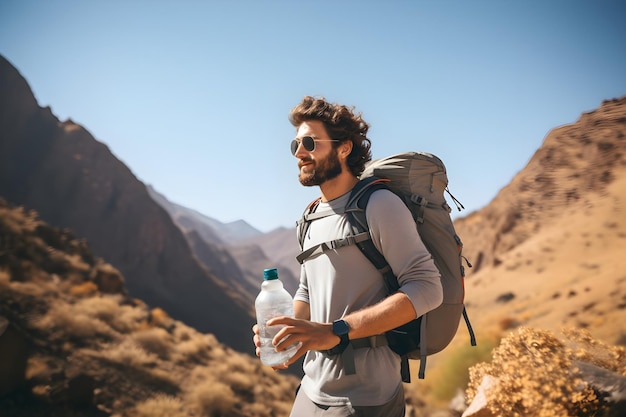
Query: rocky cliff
[{"x": 74, "y": 181}]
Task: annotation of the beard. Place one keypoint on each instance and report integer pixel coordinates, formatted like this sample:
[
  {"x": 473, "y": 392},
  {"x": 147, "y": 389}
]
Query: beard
[{"x": 324, "y": 170}]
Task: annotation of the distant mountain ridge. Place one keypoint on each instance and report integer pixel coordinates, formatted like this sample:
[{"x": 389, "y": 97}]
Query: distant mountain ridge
[
  {"x": 244, "y": 251},
  {"x": 210, "y": 229}
]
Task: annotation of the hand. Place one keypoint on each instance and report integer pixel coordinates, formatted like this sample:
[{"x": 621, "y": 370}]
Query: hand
[
  {"x": 311, "y": 335},
  {"x": 256, "y": 339},
  {"x": 257, "y": 343}
]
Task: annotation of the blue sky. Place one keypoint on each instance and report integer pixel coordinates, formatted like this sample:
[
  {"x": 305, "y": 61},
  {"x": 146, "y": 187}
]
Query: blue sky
[{"x": 193, "y": 96}]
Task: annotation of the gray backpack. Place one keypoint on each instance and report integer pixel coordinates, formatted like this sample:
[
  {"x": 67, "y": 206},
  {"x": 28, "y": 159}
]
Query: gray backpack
[{"x": 420, "y": 180}]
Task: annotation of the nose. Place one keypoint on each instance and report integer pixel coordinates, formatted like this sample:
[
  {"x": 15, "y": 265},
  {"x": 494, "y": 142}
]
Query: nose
[{"x": 300, "y": 150}]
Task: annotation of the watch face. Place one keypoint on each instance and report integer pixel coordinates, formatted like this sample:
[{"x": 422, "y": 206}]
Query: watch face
[{"x": 340, "y": 327}]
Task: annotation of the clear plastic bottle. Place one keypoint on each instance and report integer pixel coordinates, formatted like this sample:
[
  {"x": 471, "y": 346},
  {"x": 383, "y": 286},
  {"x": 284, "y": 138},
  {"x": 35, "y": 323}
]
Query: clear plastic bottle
[{"x": 273, "y": 301}]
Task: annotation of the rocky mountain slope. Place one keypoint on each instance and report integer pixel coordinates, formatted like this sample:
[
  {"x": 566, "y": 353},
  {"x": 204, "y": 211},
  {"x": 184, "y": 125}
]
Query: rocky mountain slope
[
  {"x": 73, "y": 181},
  {"x": 73, "y": 343},
  {"x": 548, "y": 251}
]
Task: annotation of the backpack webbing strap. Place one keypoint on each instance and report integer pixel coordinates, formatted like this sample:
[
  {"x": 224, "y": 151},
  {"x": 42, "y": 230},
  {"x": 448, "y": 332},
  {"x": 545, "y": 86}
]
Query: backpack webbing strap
[
  {"x": 469, "y": 328},
  {"x": 332, "y": 245},
  {"x": 423, "y": 352},
  {"x": 421, "y": 203},
  {"x": 405, "y": 372}
]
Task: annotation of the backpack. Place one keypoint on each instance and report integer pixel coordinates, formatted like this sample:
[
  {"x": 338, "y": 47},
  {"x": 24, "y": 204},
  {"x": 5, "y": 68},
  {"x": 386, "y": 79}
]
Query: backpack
[{"x": 420, "y": 180}]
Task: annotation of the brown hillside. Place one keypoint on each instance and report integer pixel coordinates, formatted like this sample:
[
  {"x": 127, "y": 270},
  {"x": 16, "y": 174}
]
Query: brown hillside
[
  {"x": 573, "y": 168},
  {"x": 73, "y": 181},
  {"x": 72, "y": 343},
  {"x": 548, "y": 251}
]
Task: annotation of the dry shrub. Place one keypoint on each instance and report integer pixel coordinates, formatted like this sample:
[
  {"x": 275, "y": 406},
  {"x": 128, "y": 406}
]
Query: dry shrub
[
  {"x": 536, "y": 376},
  {"x": 37, "y": 369},
  {"x": 192, "y": 346},
  {"x": 159, "y": 406},
  {"x": 33, "y": 289},
  {"x": 130, "y": 354},
  {"x": 73, "y": 322},
  {"x": 261, "y": 410},
  {"x": 235, "y": 371},
  {"x": 159, "y": 317},
  {"x": 212, "y": 398},
  {"x": 87, "y": 288},
  {"x": 587, "y": 349},
  {"x": 107, "y": 308},
  {"x": 155, "y": 340},
  {"x": 76, "y": 262}
]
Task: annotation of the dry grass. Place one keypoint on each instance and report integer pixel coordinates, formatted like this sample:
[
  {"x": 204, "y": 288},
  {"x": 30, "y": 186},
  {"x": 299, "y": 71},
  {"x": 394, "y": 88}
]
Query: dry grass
[
  {"x": 155, "y": 340},
  {"x": 536, "y": 375},
  {"x": 212, "y": 398},
  {"x": 85, "y": 289},
  {"x": 159, "y": 406},
  {"x": 130, "y": 354},
  {"x": 71, "y": 321}
]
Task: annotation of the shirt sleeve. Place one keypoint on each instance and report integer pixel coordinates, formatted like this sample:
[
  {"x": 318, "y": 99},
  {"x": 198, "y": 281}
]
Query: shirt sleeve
[
  {"x": 394, "y": 234},
  {"x": 302, "y": 293}
]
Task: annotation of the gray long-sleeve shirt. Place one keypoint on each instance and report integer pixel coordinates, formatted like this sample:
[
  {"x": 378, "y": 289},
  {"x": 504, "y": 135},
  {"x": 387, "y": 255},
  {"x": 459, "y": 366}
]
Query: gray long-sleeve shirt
[{"x": 341, "y": 281}]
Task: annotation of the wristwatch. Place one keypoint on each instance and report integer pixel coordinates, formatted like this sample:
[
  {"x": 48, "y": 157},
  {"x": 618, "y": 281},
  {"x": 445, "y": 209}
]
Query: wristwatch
[{"x": 341, "y": 329}]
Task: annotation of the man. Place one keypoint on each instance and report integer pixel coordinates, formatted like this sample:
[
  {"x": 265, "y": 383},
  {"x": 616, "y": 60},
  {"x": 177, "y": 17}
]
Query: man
[{"x": 341, "y": 304}]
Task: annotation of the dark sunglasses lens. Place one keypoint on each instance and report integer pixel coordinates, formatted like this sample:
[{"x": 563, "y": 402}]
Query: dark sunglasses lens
[{"x": 309, "y": 143}]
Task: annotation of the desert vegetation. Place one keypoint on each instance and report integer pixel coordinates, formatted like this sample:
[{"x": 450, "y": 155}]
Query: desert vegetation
[
  {"x": 95, "y": 351},
  {"x": 535, "y": 373}
]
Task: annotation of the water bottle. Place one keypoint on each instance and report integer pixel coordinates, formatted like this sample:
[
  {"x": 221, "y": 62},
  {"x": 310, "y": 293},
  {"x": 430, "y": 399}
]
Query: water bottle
[{"x": 273, "y": 301}]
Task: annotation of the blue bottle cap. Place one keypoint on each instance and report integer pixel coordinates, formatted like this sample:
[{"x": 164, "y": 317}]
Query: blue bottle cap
[{"x": 270, "y": 274}]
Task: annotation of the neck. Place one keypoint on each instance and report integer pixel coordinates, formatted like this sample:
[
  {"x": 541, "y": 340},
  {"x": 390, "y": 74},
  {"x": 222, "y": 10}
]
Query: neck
[{"x": 338, "y": 186}]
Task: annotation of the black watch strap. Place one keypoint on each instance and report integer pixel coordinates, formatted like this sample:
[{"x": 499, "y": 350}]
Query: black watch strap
[{"x": 341, "y": 329}]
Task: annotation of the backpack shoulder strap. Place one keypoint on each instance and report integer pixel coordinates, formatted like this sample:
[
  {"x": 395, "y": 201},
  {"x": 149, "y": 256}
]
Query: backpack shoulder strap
[
  {"x": 302, "y": 225},
  {"x": 355, "y": 209},
  {"x": 356, "y": 206}
]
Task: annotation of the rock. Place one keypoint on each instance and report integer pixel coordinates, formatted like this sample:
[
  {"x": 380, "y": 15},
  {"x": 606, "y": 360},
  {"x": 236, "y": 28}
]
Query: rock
[
  {"x": 610, "y": 386},
  {"x": 478, "y": 407}
]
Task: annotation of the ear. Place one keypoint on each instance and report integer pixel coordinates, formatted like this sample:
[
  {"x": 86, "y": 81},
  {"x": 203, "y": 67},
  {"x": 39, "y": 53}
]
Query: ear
[{"x": 345, "y": 148}]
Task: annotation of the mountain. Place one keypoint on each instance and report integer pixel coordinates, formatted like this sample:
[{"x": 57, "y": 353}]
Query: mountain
[
  {"x": 75, "y": 182},
  {"x": 211, "y": 230},
  {"x": 244, "y": 252},
  {"x": 548, "y": 250}
]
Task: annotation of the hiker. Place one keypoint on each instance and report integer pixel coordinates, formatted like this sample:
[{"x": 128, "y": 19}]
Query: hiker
[{"x": 342, "y": 309}]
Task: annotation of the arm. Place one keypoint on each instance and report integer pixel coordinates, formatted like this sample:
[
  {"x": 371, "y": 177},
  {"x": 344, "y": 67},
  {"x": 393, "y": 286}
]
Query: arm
[
  {"x": 301, "y": 310},
  {"x": 394, "y": 234},
  {"x": 392, "y": 312}
]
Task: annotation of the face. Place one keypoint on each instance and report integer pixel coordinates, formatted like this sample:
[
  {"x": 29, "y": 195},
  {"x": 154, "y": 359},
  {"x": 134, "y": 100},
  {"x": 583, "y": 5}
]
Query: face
[{"x": 321, "y": 164}]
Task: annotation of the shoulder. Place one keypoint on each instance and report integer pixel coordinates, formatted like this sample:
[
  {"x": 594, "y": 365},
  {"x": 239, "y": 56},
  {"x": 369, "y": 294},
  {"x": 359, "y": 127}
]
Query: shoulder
[
  {"x": 384, "y": 196},
  {"x": 383, "y": 203}
]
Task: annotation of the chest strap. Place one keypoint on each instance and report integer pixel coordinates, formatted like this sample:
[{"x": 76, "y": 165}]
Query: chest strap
[{"x": 331, "y": 245}]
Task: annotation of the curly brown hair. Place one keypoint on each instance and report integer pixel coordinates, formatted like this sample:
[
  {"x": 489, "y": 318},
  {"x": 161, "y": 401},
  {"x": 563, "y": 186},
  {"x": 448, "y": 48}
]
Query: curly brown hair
[{"x": 341, "y": 123}]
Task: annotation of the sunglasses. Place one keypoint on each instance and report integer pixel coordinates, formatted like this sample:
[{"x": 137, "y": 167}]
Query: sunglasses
[{"x": 308, "y": 142}]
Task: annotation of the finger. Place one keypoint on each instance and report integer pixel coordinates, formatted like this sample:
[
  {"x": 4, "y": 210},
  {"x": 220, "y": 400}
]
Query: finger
[
  {"x": 281, "y": 320},
  {"x": 299, "y": 353}
]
